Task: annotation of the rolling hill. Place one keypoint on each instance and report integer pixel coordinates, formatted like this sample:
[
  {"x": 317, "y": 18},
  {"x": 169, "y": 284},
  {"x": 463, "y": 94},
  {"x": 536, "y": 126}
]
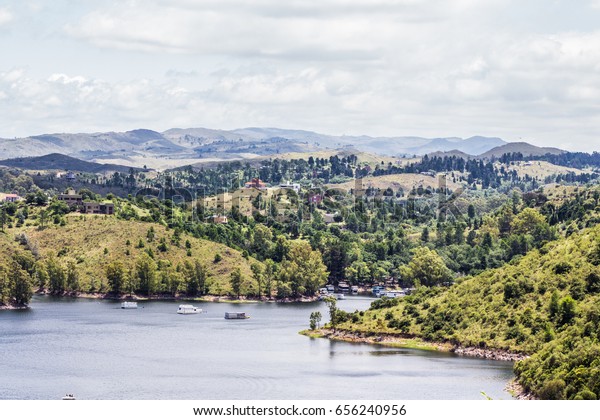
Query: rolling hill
[
  {"x": 63, "y": 162},
  {"x": 93, "y": 242},
  {"x": 520, "y": 147}
]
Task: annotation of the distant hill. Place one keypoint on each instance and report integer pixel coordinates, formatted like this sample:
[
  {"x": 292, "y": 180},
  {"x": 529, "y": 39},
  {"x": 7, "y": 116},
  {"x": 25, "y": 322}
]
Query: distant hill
[
  {"x": 180, "y": 146},
  {"x": 62, "y": 162},
  {"x": 454, "y": 152},
  {"x": 521, "y": 147}
]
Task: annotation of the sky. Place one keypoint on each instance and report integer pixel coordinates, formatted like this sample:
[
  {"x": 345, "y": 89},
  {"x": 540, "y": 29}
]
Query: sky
[{"x": 522, "y": 70}]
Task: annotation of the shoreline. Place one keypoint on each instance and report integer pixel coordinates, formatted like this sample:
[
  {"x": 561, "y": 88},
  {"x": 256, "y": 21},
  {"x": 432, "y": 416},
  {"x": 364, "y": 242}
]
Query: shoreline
[
  {"x": 402, "y": 340},
  {"x": 13, "y": 307},
  {"x": 205, "y": 298},
  {"x": 409, "y": 342}
]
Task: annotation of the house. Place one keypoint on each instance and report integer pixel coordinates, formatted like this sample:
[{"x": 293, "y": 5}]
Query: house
[
  {"x": 256, "y": 183},
  {"x": 218, "y": 218},
  {"x": 315, "y": 198},
  {"x": 290, "y": 186},
  {"x": 71, "y": 198},
  {"x": 12, "y": 198},
  {"x": 71, "y": 176},
  {"x": 91, "y": 207}
]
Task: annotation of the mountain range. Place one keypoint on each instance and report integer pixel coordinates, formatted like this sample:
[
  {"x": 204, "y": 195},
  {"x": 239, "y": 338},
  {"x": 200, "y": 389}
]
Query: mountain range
[{"x": 178, "y": 146}]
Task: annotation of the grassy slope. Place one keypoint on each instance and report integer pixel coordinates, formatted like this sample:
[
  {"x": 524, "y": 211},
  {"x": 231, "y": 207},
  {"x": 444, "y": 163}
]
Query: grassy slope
[
  {"x": 509, "y": 308},
  {"x": 406, "y": 181},
  {"x": 85, "y": 238}
]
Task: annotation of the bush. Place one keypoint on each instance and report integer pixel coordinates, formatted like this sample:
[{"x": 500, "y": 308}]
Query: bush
[{"x": 552, "y": 390}]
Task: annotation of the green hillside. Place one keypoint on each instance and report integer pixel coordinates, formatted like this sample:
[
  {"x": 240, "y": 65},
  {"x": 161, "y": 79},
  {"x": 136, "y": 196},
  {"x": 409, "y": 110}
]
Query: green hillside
[
  {"x": 91, "y": 243},
  {"x": 546, "y": 304}
]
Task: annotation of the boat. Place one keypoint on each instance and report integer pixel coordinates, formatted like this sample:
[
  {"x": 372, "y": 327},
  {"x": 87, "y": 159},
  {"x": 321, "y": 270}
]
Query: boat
[
  {"x": 354, "y": 290},
  {"x": 343, "y": 287},
  {"x": 394, "y": 294},
  {"x": 129, "y": 305},
  {"x": 236, "y": 315},
  {"x": 68, "y": 397},
  {"x": 188, "y": 310},
  {"x": 339, "y": 296}
]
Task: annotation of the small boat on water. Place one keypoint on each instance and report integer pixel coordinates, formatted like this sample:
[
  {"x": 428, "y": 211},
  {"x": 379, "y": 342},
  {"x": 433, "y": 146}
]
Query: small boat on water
[
  {"x": 339, "y": 296},
  {"x": 129, "y": 305},
  {"x": 68, "y": 397},
  {"x": 188, "y": 310},
  {"x": 236, "y": 315},
  {"x": 354, "y": 290}
]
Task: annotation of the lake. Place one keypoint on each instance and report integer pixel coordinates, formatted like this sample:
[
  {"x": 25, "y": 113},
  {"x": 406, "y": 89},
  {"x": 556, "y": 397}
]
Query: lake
[{"x": 95, "y": 350}]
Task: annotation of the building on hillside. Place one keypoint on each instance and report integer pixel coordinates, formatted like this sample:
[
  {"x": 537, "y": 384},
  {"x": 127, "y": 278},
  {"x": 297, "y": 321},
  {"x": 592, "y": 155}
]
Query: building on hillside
[
  {"x": 12, "y": 198},
  {"x": 91, "y": 207},
  {"x": 290, "y": 186},
  {"x": 71, "y": 176},
  {"x": 315, "y": 198},
  {"x": 218, "y": 218},
  {"x": 71, "y": 198},
  {"x": 256, "y": 183}
]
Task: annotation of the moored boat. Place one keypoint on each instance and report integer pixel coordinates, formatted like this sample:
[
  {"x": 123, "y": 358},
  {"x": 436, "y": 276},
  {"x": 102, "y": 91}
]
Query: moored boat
[
  {"x": 129, "y": 305},
  {"x": 188, "y": 310},
  {"x": 236, "y": 315}
]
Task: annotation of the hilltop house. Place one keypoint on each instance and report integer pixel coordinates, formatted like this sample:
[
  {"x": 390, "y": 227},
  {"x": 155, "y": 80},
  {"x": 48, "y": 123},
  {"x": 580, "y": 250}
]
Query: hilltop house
[
  {"x": 90, "y": 207},
  {"x": 290, "y": 186},
  {"x": 218, "y": 218},
  {"x": 256, "y": 183},
  {"x": 12, "y": 198},
  {"x": 71, "y": 198}
]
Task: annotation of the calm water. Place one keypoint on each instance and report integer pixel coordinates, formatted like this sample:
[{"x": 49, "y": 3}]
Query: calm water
[{"x": 95, "y": 350}]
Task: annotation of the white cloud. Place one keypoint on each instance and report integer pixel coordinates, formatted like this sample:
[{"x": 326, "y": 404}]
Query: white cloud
[
  {"x": 5, "y": 16},
  {"x": 383, "y": 67}
]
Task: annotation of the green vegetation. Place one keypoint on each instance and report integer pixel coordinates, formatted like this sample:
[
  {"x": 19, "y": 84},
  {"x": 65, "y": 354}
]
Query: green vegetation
[{"x": 546, "y": 304}]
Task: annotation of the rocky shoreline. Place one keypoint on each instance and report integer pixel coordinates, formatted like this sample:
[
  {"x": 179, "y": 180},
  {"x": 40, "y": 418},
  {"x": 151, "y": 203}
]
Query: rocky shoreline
[
  {"x": 405, "y": 341},
  {"x": 13, "y": 307},
  {"x": 400, "y": 339}
]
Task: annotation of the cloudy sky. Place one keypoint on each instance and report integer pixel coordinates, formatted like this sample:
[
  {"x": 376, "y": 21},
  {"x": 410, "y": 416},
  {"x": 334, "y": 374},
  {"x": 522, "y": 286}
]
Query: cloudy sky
[{"x": 518, "y": 69}]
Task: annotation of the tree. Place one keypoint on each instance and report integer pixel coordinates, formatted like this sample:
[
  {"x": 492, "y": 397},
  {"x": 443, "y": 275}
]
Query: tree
[
  {"x": 257, "y": 274},
  {"x": 236, "y": 281},
  {"x": 269, "y": 275},
  {"x": 315, "y": 319},
  {"x": 426, "y": 268},
  {"x": 20, "y": 284},
  {"x": 3, "y": 218},
  {"x": 145, "y": 272},
  {"x": 56, "y": 276},
  {"x": 425, "y": 235},
  {"x": 72, "y": 277},
  {"x": 303, "y": 270},
  {"x": 331, "y": 303},
  {"x": 531, "y": 222},
  {"x": 194, "y": 276},
  {"x": 471, "y": 211},
  {"x": 115, "y": 274}
]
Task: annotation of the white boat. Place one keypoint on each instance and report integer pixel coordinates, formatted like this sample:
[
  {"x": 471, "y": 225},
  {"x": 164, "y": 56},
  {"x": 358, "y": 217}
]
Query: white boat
[
  {"x": 129, "y": 305},
  {"x": 339, "y": 296},
  {"x": 394, "y": 294},
  {"x": 68, "y": 397},
  {"x": 188, "y": 310},
  {"x": 236, "y": 315},
  {"x": 354, "y": 290}
]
